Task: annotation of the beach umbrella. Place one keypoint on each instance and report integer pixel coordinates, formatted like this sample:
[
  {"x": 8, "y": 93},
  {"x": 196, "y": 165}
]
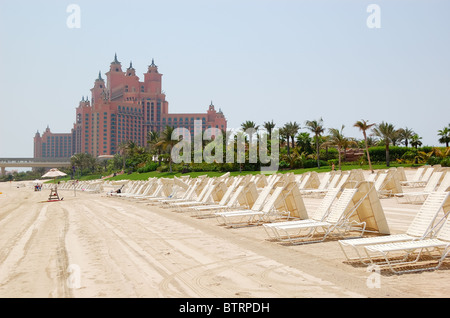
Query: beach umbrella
[{"x": 54, "y": 173}]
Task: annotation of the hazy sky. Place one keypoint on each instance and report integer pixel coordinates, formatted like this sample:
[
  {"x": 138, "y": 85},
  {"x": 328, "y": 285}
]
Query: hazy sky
[{"x": 260, "y": 60}]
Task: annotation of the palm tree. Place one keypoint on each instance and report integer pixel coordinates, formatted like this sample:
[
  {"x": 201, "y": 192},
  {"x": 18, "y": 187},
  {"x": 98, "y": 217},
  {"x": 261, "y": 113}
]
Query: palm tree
[
  {"x": 364, "y": 126},
  {"x": 250, "y": 127},
  {"x": 304, "y": 142},
  {"x": 316, "y": 127},
  {"x": 284, "y": 133},
  {"x": 83, "y": 160},
  {"x": 292, "y": 129},
  {"x": 386, "y": 132},
  {"x": 406, "y": 135},
  {"x": 338, "y": 139},
  {"x": 127, "y": 149},
  {"x": 167, "y": 143},
  {"x": 396, "y": 137},
  {"x": 415, "y": 141},
  {"x": 153, "y": 138},
  {"x": 269, "y": 126},
  {"x": 444, "y": 135}
]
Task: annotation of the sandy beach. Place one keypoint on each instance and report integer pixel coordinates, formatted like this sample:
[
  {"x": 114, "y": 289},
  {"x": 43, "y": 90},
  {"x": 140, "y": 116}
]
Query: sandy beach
[{"x": 92, "y": 245}]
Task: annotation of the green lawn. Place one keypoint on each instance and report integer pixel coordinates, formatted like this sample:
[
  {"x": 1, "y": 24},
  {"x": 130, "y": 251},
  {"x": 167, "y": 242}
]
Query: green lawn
[
  {"x": 156, "y": 174},
  {"x": 145, "y": 176}
]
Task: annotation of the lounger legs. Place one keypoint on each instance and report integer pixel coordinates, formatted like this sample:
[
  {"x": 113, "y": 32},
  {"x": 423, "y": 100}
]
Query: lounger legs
[{"x": 393, "y": 265}]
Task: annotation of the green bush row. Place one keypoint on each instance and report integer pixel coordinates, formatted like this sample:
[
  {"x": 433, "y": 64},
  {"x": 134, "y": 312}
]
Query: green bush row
[{"x": 395, "y": 152}]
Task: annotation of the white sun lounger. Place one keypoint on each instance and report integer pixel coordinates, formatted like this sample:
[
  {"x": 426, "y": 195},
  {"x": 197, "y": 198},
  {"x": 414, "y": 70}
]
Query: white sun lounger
[
  {"x": 336, "y": 220},
  {"x": 146, "y": 190},
  {"x": 421, "y": 177},
  {"x": 419, "y": 197},
  {"x": 178, "y": 202},
  {"x": 205, "y": 199},
  {"x": 130, "y": 189},
  {"x": 415, "y": 178},
  {"x": 318, "y": 214},
  {"x": 445, "y": 183},
  {"x": 189, "y": 194},
  {"x": 228, "y": 201},
  {"x": 250, "y": 217},
  {"x": 406, "y": 250},
  {"x": 422, "y": 226}
]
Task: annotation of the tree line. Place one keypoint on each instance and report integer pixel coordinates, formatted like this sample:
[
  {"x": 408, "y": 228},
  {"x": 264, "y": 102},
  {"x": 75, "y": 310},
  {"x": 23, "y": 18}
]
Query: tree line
[
  {"x": 298, "y": 149},
  {"x": 315, "y": 147}
]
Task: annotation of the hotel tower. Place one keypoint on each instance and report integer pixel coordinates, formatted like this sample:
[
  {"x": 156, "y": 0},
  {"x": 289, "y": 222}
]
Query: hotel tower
[{"x": 121, "y": 108}]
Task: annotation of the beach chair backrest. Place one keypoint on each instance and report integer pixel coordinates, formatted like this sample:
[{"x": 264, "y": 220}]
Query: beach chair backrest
[
  {"x": 380, "y": 181},
  {"x": 321, "y": 212},
  {"x": 158, "y": 190},
  {"x": 445, "y": 183},
  {"x": 324, "y": 182},
  {"x": 334, "y": 180},
  {"x": 418, "y": 174},
  {"x": 204, "y": 190},
  {"x": 304, "y": 181},
  {"x": 444, "y": 232},
  {"x": 343, "y": 180},
  {"x": 425, "y": 218},
  {"x": 433, "y": 181},
  {"x": 234, "y": 198},
  {"x": 140, "y": 189},
  {"x": 228, "y": 193},
  {"x": 258, "y": 205},
  {"x": 427, "y": 174},
  {"x": 147, "y": 187},
  {"x": 271, "y": 201},
  {"x": 371, "y": 177},
  {"x": 275, "y": 179},
  {"x": 209, "y": 192},
  {"x": 190, "y": 193},
  {"x": 339, "y": 208},
  {"x": 132, "y": 188}
]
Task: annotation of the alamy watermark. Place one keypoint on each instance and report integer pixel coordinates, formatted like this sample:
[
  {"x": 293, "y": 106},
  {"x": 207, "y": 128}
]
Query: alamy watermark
[
  {"x": 74, "y": 279},
  {"x": 374, "y": 19},
  {"x": 74, "y": 19},
  {"x": 374, "y": 279}
]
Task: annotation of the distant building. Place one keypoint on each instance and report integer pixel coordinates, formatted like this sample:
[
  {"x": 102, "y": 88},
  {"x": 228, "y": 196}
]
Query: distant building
[
  {"x": 121, "y": 109},
  {"x": 51, "y": 145}
]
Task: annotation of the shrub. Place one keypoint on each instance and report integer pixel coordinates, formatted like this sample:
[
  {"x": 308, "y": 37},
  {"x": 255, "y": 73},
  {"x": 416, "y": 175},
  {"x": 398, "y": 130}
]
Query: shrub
[
  {"x": 312, "y": 163},
  {"x": 395, "y": 152},
  {"x": 148, "y": 167},
  {"x": 283, "y": 164},
  {"x": 445, "y": 162},
  {"x": 331, "y": 154}
]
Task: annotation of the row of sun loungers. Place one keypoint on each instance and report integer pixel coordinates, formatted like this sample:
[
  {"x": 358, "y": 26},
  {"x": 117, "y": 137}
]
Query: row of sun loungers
[
  {"x": 93, "y": 186},
  {"x": 349, "y": 211}
]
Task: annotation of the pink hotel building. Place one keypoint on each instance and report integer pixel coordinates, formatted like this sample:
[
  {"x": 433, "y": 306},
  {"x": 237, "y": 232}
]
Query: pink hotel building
[{"x": 121, "y": 109}]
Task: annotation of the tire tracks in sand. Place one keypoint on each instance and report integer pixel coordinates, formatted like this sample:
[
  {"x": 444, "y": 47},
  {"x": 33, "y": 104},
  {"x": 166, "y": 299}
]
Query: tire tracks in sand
[{"x": 196, "y": 272}]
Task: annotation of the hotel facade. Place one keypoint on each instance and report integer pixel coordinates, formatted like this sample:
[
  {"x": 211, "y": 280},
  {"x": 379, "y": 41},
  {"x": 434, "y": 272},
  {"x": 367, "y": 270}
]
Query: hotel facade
[{"x": 120, "y": 109}]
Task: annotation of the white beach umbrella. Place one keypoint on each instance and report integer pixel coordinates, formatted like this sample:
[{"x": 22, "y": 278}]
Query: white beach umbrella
[{"x": 54, "y": 173}]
